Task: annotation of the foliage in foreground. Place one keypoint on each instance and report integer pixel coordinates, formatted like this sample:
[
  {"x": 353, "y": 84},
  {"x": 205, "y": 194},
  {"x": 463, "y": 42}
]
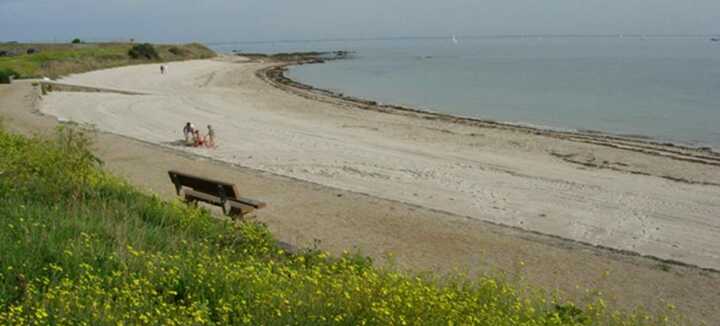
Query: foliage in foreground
[
  {"x": 54, "y": 60},
  {"x": 80, "y": 246},
  {"x": 7, "y": 74}
]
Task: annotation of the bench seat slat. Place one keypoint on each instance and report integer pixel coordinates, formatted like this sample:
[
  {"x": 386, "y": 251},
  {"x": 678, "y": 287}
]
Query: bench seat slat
[
  {"x": 201, "y": 196},
  {"x": 208, "y": 186},
  {"x": 188, "y": 192},
  {"x": 250, "y": 202},
  {"x": 240, "y": 209}
]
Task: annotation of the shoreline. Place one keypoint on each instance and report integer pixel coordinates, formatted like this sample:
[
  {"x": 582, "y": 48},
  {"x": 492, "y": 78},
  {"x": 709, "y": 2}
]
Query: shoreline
[
  {"x": 627, "y": 270},
  {"x": 546, "y": 237},
  {"x": 589, "y": 190},
  {"x": 276, "y": 76},
  {"x": 423, "y": 235}
]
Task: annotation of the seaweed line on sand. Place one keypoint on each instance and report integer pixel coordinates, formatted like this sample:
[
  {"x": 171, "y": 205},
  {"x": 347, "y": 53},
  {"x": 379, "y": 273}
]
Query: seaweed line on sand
[{"x": 275, "y": 75}]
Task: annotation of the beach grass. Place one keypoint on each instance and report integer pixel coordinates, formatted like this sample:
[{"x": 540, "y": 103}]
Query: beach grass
[
  {"x": 54, "y": 60},
  {"x": 83, "y": 247}
]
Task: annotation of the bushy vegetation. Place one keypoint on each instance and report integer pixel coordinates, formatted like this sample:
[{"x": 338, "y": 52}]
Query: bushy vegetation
[
  {"x": 143, "y": 51},
  {"x": 76, "y": 41},
  {"x": 6, "y": 75},
  {"x": 82, "y": 247},
  {"x": 177, "y": 51},
  {"x": 54, "y": 60}
]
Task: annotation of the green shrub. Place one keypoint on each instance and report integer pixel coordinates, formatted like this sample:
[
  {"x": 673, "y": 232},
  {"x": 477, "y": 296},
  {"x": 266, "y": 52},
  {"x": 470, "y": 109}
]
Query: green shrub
[
  {"x": 76, "y": 41},
  {"x": 6, "y": 75},
  {"x": 177, "y": 51},
  {"x": 144, "y": 51}
]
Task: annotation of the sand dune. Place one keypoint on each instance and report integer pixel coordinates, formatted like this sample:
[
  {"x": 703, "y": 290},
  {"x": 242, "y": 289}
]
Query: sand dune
[{"x": 624, "y": 200}]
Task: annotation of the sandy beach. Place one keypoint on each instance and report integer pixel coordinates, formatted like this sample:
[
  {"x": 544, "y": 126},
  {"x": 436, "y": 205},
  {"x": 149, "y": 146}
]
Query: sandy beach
[
  {"x": 418, "y": 238},
  {"x": 624, "y": 199},
  {"x": 360, "y": 163}
]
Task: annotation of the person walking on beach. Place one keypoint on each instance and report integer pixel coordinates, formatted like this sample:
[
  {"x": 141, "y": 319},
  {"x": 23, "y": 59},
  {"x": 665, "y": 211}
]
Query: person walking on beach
[
  {"x": 210, "y": 142},
  {"x": 162, "y": 69}
]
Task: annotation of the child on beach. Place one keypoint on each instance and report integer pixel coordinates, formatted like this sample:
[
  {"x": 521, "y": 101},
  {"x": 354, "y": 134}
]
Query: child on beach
[{"x": 198, "y": 140}]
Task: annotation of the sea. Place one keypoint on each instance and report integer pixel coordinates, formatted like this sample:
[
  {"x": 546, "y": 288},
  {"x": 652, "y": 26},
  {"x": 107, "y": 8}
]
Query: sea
[{"x": 662, "y": 88}]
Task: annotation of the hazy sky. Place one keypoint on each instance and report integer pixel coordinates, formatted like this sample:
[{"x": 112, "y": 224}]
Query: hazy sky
[{"x": 259, "y": 20}]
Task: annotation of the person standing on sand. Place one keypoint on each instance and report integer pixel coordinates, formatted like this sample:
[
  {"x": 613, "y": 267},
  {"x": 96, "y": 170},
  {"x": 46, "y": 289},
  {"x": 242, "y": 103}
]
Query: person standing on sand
[
  {"x": 210, "y": 142},
  {"x": 188, "y": 131},
  {"x": 162, "y": 69}
]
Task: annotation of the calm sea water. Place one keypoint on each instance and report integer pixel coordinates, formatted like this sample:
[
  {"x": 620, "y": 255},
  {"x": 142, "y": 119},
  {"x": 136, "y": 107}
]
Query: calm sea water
[{"x": 664, "y": 88}]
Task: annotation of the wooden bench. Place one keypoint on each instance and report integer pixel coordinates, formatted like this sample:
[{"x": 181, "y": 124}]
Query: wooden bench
[{"x": 193, "y": 189}]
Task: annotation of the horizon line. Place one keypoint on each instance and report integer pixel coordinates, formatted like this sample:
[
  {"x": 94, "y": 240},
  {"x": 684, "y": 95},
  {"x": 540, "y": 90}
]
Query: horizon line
[
  {"x": 392, "y": 38},
  {"x": 377, "y": 38}
]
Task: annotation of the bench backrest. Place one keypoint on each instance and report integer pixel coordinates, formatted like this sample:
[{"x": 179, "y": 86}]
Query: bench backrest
[{"x": 208, "y": 186}]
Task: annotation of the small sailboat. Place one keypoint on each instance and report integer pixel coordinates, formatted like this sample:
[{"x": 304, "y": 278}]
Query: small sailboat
[{"x": 454, "y": 39}]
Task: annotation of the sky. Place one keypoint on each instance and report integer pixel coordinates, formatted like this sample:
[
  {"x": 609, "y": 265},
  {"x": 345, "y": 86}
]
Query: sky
[{"x": 273, "y": 20}]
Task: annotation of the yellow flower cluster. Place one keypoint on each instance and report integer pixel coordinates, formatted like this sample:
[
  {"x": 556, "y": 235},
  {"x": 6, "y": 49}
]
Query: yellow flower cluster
[{"x": 211, "y": 285}]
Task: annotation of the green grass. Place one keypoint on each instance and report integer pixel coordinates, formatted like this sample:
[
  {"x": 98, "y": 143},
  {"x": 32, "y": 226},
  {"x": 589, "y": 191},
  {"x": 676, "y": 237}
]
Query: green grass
[
  {"x": 55, "y": 60},
  {"x": 80, "y": 246}
]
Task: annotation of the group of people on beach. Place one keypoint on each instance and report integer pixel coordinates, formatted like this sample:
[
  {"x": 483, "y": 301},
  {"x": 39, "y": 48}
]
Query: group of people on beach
[{"x": 194, "y": 138}]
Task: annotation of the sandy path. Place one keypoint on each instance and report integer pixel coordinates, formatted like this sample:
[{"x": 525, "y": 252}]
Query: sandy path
[{"x": 491, "y": 175}]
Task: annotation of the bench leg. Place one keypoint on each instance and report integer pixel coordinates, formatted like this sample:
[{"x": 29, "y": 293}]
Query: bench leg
[
  {"x": 226, "y": 208},
  {"x": 190, "y": 201}
]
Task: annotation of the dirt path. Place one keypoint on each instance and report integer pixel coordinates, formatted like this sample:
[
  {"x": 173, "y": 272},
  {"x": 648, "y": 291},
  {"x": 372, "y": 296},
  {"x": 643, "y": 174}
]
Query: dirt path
[{"x": 418, "y": 238}]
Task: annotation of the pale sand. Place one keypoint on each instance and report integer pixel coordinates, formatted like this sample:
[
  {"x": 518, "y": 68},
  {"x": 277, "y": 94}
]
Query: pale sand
[{"x": 513, "y": 178}]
